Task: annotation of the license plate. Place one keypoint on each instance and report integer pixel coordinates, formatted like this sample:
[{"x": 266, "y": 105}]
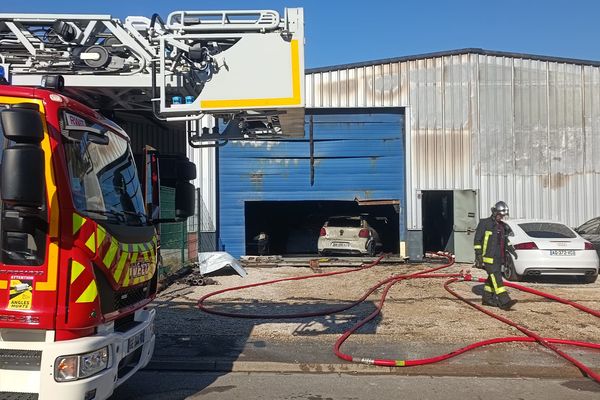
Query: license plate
[
  {"x": 562, "y": 252},
  {"x": 135, "y": 341},
  {"x": 340, "y": 244}
]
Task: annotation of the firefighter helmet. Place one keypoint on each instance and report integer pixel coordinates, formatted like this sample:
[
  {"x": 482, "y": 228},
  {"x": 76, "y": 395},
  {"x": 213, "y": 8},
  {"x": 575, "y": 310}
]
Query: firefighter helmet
[{"x": 500, "y": 208}]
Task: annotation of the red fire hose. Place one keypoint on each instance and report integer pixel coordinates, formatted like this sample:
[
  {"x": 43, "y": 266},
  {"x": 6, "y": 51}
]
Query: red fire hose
[{"x": 428, "y": 273}]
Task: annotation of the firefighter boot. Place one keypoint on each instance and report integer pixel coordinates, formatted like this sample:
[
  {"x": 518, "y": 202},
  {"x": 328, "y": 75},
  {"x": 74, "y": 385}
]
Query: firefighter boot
[
  {"x": 489, "y": 299},
  {"x": 505, "y": 302}
]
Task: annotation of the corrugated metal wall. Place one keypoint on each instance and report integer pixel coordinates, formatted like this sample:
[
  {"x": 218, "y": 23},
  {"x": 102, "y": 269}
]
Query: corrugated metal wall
[
  {"x": 206, "y": 185},
  {"x": 357, "y": 155},
  {"x": 525, "y": 130},
  {"x": 144, "y": 130}
]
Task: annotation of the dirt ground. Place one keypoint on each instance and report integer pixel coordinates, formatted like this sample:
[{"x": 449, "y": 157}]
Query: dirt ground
[{"x": 418, "y": 310}]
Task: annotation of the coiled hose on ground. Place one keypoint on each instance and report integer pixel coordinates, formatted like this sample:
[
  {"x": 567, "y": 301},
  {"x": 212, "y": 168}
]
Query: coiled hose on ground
[{"x": 424, "y": 274}]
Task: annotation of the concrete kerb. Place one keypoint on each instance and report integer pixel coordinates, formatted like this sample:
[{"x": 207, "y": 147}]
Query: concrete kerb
[{"x": 442, "y": 369}]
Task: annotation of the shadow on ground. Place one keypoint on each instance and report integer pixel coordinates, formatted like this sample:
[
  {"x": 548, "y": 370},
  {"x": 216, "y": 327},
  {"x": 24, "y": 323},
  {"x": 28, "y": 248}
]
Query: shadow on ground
[{"x": 225, "y": 338}]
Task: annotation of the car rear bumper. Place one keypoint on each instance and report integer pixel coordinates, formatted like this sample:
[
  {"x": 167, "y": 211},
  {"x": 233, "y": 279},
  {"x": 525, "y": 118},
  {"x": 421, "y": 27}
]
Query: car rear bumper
[
  {"x": 355, "y": 246},
  {"x": 559, "y": 271},
  {"x": 539, "y": 262}
]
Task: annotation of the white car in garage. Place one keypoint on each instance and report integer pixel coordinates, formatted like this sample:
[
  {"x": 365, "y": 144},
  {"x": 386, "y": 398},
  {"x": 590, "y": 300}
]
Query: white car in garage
[
  {"x": 348, "y": 235},
  {"x": 548, "y": 248}
]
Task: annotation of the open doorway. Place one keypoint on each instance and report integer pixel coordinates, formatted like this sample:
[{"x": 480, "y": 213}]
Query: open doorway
[
  {"x": 438, "y": 218},
  {"x": 449, "y": 222},
  {"x": 293, "y": 226}
]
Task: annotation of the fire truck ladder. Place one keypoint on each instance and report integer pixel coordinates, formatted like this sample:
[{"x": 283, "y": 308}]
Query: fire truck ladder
[{"x": 245, "y": 66}]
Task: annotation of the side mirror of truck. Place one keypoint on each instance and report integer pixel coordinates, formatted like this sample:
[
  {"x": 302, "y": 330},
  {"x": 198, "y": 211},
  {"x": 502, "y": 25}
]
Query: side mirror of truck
[
  {"x": 22, "y": 124},
  {"x": 185, "y": 193},
  {"x": 22, "y": 170},
  {"x": 185, "y": 196},
  {"x": 176, "y": 171}
]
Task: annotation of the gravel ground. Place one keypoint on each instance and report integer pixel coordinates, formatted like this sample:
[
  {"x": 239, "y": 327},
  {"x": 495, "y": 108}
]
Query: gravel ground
[{"x": 418, "y": 310}]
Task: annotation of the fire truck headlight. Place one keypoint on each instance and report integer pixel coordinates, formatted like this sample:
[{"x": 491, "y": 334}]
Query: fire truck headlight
[
  {"x": 65, "y": 368},
  {"x": 70, "y": 368},
  {"x": 92, "y": 363}
]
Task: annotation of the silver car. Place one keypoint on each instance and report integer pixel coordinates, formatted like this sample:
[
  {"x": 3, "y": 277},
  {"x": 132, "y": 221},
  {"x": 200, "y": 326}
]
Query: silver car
[{"x": 348, "y": 235}]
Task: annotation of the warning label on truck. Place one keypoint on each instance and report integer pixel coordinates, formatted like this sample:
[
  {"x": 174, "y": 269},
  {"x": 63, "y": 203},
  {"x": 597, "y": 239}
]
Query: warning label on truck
[{"x": 21, "y": 293}]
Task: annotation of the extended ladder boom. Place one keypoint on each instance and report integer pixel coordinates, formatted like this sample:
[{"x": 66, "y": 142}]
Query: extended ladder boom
[{"x": 224, "y": 63}]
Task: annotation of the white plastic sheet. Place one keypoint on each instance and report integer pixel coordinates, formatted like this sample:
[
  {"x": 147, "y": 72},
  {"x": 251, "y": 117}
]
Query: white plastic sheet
[{"x": 215, "y": 260}]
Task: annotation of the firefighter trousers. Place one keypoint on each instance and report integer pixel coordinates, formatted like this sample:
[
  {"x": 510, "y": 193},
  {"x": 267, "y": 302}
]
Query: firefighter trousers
[{"x": 494, "y": 291}]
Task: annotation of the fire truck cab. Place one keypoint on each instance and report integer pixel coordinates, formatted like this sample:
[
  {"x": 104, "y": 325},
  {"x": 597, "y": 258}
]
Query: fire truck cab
[
  {"x": 79, "y": 243},
  {"x": 78, "y": 248}
]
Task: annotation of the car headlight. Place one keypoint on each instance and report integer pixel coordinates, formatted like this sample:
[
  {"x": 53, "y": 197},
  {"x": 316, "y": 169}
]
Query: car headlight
[{"x": 79, "y": 366}]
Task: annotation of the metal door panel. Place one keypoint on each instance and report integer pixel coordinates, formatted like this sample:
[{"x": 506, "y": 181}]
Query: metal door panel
[{"x": 465, "y": 223}]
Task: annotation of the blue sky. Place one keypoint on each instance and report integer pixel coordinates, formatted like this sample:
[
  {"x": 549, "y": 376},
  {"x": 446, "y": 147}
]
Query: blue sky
[{"x": 340, "y": 32}]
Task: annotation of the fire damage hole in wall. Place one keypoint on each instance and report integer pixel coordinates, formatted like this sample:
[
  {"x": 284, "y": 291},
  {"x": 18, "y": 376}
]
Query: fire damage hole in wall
[{"x": 293, "y": 226}]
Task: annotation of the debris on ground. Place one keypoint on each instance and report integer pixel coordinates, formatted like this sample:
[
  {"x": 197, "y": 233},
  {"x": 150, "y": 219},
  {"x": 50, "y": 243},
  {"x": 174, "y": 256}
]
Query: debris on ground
[
  {"x": 314, "y": 265},
  {"x": 196, "y": 278},
  {"x": 215, "y": 260}
]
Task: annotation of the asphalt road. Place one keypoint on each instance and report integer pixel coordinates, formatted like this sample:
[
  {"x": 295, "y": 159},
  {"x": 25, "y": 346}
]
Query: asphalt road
[{"x": 172, "y": 385}]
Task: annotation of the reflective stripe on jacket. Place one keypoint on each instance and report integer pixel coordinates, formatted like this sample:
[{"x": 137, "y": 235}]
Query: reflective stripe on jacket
[{"x": 488, "y": 242}]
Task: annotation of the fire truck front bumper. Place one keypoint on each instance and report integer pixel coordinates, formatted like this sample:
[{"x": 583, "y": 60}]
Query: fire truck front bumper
[{"x": 87, "y": 368}]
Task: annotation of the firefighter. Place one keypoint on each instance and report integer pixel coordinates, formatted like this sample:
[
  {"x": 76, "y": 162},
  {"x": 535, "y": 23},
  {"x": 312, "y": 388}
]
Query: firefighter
[{"x": 490, "y": 254}]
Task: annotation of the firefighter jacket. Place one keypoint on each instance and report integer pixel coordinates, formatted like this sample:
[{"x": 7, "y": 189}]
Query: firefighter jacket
[{"x": 490, "y": 241}]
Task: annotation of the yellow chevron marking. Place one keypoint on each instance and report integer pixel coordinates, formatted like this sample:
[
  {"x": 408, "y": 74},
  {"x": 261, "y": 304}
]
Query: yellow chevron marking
[
  {"x": 134, "y": 257},
  {"x": 126, "y": 280},
  {"x": 89, "y": 294},
  {"x": 78, "y": 222},
  {"x": 76, "y": 270},
  {"x": 91, "y": 243},
  {"x": 101, "y": 233},
  {"x": 120, "y": 265},
  {"x": 110, "y": 254}
]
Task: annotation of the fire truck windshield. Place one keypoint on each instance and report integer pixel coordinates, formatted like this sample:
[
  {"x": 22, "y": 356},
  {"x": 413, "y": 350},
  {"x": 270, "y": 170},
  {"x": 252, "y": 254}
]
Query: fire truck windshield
[{"x": 103, "y": 177}]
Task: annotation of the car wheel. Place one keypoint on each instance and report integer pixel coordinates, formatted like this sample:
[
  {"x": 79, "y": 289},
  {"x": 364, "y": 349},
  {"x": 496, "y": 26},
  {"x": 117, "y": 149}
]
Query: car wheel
[
  {"x": 371, "y": 250},
  {"x": 509, "y": 273}
]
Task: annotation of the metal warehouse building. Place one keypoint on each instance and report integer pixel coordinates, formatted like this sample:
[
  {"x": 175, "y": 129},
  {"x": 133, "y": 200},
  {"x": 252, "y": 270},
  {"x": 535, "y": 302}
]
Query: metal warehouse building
[{"x": 424, "y": 143}]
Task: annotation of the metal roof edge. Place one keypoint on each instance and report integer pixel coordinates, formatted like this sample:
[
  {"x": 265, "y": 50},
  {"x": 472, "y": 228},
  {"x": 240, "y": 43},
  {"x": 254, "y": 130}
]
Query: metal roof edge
[{"x": 454, "y": 53}]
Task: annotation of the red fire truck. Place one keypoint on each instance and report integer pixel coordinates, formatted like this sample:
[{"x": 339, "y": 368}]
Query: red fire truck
[
  {"x": 78, "y": 222},
  {"x": 78, "y": 248}
]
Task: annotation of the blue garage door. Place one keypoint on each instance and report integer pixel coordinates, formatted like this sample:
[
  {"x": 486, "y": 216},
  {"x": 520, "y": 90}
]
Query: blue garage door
[{"x": 357, "y": 154}]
